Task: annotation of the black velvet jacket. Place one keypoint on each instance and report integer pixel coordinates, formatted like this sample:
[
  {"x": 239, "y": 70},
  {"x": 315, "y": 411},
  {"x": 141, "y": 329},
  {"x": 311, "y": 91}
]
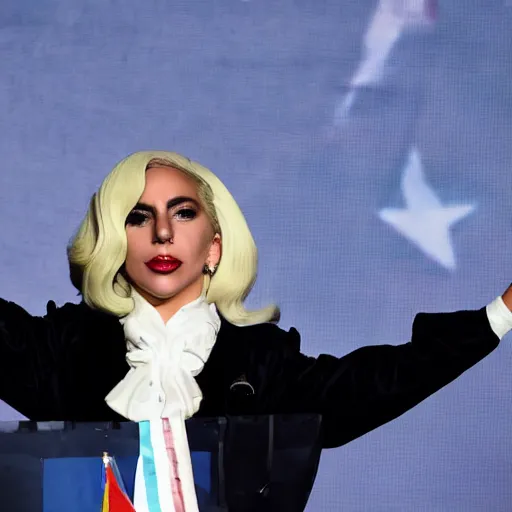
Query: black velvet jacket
[{"x": 61, "y": 367}]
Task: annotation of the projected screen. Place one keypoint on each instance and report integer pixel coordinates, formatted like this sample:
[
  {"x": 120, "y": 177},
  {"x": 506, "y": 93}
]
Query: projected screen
[{"x": 368, "y": 144}]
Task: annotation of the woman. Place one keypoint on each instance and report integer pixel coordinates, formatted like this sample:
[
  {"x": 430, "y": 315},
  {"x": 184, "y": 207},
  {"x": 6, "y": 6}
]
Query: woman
[{"x": 164, "y": 260}]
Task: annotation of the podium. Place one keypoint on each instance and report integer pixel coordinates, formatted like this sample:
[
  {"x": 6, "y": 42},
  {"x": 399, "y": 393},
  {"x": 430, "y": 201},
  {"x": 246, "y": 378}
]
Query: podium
[{"x": 240, "y": 463}]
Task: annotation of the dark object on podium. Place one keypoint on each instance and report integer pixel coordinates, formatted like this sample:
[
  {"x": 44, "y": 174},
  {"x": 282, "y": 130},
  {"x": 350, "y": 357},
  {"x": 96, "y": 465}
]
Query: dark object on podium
[{"x": 241, "y": 463}]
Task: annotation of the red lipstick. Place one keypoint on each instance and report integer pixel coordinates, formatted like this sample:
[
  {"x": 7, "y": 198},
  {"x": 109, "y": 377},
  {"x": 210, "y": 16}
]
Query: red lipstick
[{"x": 163, "y": 264}]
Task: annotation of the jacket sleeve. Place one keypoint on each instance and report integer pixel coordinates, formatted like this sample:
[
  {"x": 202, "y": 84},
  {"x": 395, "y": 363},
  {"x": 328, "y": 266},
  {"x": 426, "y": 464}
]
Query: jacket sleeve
[
  {"x": 373, "y": 385},
  {"x": 30, "y": 355}
]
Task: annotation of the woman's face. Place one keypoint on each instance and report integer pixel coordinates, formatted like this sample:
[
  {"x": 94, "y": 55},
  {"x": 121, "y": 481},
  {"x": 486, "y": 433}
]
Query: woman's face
[{"x": 170, "y": 239}]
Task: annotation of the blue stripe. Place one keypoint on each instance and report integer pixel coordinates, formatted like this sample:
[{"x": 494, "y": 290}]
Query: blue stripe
[{"x": 148, "y": 466}]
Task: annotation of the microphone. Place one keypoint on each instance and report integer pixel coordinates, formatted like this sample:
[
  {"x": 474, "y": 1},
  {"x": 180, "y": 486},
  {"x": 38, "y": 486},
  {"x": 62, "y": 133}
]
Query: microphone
[
  {"x": 241, "y": 395},
  {"x": 242, "y": 387}
]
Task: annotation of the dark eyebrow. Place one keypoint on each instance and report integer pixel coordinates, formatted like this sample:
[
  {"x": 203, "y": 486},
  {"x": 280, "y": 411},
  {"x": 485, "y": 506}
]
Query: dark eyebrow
[{"x": 170, "y": 204}]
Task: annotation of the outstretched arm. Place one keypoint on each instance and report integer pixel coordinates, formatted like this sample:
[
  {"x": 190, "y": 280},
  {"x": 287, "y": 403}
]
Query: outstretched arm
[
  {"x": 374, "y": 385},
  {"x": 29, "y": 358}
]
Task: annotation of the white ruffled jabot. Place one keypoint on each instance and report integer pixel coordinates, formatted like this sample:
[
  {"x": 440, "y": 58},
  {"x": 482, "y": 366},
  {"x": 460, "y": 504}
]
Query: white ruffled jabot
[{"x": 164, "y": 358}]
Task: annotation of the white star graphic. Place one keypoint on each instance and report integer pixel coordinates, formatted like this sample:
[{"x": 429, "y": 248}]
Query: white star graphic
[
  {"x": 425, "y": 221},
  {"x": 390, "y": 20}
]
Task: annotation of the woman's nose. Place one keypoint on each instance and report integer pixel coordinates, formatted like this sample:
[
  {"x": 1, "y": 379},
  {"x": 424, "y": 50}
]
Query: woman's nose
[{"x": 163, "y": 231}]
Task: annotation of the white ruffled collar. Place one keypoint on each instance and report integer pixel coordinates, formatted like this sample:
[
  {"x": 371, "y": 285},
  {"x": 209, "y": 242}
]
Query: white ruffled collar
[{"x": 164, "y": 358}]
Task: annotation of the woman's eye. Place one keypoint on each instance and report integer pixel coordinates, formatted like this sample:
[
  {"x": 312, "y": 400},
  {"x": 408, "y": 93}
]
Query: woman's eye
[
  {"x": 136, "y": 218},
  {"x": 186, "y": 214}
]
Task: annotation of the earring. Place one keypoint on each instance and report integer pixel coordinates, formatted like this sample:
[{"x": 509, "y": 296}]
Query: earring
[{"x": 210, "y": 270}]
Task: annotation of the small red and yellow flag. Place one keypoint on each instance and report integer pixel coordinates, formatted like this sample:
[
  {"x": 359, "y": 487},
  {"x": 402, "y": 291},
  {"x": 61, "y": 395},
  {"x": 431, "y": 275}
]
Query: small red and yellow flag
[{"x": 114, "y": 496}]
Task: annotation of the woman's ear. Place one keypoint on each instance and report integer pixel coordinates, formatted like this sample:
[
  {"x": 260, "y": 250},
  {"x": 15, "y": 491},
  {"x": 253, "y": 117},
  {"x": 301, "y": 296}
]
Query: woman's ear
[{"x": 215, "y": 251}]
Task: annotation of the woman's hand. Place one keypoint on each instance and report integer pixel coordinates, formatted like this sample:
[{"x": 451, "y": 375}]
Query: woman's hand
[{"x": 507, "y": 297}]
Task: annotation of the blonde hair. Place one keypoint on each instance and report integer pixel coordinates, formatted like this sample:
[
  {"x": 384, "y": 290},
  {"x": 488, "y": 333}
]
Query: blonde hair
[{"x": 98, "y": 251}]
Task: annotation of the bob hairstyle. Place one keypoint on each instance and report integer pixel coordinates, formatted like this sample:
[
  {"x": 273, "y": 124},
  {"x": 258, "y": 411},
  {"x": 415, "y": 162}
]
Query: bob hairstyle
[{"x": 98, "y": 251}]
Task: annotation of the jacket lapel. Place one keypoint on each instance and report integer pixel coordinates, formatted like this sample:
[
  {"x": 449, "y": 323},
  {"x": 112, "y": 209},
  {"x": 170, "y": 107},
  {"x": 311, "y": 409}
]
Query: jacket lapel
[{"x": 226, "y": 364}]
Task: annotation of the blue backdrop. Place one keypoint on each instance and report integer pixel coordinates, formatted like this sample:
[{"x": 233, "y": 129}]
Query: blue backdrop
[{"x": 368, "y": 143}]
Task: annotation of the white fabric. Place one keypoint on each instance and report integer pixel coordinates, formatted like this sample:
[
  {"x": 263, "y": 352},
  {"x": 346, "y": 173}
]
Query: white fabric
[
  {"x": 500, "y": 317},
  {"x": 163, "y": 468},
  {"x": 164, "y": 359},
  {"x": 139, "y": 489}
]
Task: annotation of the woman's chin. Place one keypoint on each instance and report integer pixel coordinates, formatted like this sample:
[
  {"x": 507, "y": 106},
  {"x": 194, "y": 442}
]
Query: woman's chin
[{"x": 159, "y": 294}]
